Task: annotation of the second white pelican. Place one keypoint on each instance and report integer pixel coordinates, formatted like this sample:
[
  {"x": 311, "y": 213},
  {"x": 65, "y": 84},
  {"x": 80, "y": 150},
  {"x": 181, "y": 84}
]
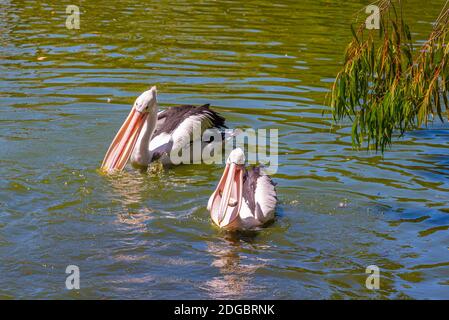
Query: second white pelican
[{"x": 243, "y": 199}]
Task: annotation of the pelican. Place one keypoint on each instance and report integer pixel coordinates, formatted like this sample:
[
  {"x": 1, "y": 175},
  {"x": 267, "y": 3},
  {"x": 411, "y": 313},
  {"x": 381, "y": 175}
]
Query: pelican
[
  {"x": 243, "y": 199},
  {"x": 148, "y": 135}
]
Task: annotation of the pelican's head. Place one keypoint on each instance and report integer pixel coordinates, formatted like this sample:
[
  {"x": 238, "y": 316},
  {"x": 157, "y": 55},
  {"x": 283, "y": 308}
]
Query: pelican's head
[
  {"x": 147, "y": 101},
  {"x": 123, "y": 144},
  {"x": 226, "y": 201}
]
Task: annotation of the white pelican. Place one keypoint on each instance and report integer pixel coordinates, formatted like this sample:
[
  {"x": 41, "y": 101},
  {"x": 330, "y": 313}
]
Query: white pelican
[
  {"x": 243, "y": 199},
  {"x": 148, "y": 135}
]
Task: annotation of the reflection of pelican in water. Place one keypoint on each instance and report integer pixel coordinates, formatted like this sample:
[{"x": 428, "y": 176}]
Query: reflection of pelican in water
[
  {"x": 236, "y": 279},
  {"x": 130, "y": 190},
  {"x": 127, "y": 188}
]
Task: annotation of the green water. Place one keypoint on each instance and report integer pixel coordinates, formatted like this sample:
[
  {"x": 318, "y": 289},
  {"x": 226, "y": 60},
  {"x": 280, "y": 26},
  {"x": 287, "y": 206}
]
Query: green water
[{"x": 262, "y": 65}]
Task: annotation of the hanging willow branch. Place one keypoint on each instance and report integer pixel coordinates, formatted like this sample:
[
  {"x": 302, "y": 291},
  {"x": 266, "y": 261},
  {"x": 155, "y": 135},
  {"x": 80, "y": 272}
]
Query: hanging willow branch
[{"x": 387, "y": 85}]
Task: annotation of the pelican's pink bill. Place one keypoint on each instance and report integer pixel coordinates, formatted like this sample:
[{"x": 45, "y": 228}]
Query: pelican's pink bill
[
  {"x": 226, "y": 201},
  {"x": 125, "y": 140},
  {"x": 123, "y": 144}
]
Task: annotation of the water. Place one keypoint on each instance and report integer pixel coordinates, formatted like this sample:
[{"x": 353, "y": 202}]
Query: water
[{"x": 262, "y": 65}]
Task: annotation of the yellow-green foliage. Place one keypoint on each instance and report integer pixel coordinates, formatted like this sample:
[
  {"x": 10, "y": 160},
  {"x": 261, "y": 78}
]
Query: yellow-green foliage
[{"x": 386, "y": 84}]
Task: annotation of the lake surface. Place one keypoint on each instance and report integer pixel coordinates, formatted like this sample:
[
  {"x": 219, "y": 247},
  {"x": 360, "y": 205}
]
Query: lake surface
[{"x": 64, "y": 93}]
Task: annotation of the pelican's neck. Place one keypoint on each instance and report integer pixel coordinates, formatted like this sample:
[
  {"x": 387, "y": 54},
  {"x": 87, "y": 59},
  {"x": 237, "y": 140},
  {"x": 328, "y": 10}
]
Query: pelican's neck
[{"x": 141, "y": 152}]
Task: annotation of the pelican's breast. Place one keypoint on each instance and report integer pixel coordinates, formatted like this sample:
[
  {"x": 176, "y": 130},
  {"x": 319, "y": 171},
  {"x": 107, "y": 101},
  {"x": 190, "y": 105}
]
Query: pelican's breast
[{"x": 259, "y": 199}]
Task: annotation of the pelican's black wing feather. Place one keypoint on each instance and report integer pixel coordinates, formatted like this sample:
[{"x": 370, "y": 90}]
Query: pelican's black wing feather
[{"x": 171, "y": 118}]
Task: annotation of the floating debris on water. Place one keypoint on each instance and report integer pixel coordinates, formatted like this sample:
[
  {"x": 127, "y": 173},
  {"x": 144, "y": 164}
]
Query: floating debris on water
[{"x": 343, "y": 204}]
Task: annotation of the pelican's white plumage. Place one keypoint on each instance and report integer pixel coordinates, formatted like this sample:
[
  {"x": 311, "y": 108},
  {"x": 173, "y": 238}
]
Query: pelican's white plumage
[
  {"x": 243, "y": 199},
  {"x": 176, "y": 128},
  {"x": 263, "y": 208},
  {"x": 148, "y": 135}
]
